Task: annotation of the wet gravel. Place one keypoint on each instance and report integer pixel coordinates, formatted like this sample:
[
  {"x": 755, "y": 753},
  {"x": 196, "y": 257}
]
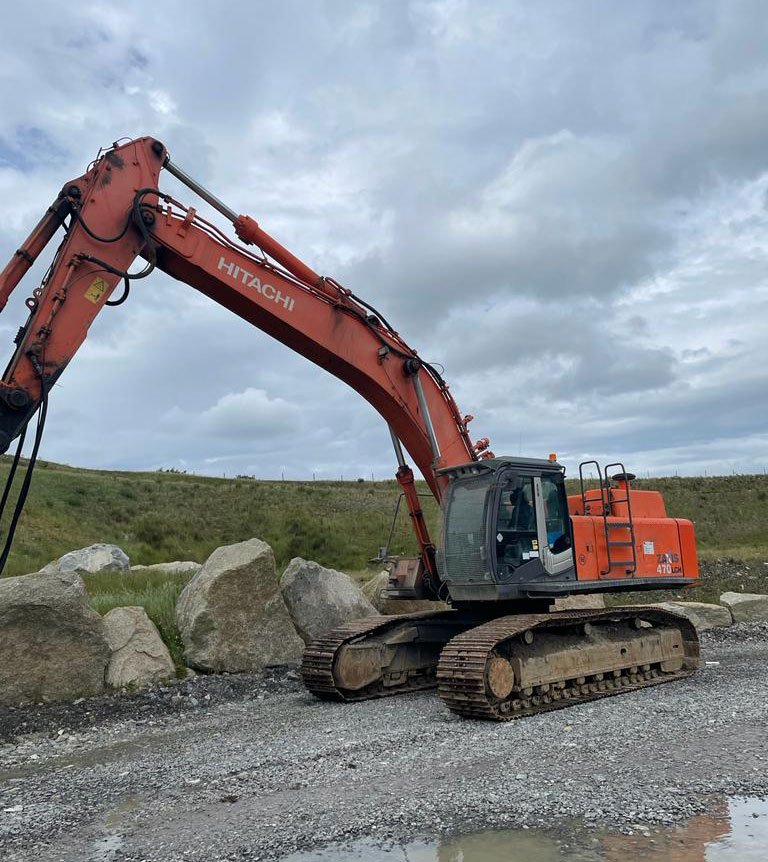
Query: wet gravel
[
  {"x": 143, "y": 707},
  {"x": 250, "y": 767}
]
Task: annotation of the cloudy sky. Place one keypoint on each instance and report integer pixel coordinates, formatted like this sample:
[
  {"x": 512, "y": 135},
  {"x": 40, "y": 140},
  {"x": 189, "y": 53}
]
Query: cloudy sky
[{"x": 563, "y": 203}]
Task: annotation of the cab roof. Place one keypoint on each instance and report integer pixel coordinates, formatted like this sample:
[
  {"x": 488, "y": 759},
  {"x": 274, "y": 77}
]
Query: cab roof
[{"x": 493, "y": 464}]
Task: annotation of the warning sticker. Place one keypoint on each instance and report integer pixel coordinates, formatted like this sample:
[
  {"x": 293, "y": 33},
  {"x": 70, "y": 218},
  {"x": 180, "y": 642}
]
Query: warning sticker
[
  {"x": 648, "y": 548},
  {"x": 96, "y": 290}
]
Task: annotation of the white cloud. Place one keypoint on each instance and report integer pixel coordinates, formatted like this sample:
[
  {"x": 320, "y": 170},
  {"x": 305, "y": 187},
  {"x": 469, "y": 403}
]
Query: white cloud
[
  {"x": 250, "y": 413},
  {"x": 569, "y": 217}
]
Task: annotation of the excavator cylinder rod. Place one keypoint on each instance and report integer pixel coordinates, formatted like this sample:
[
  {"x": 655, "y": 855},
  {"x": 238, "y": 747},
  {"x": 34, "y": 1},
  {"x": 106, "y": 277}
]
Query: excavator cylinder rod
[
  {"x": 249, "y": 231},
  {"x": 200, "y": 190}
]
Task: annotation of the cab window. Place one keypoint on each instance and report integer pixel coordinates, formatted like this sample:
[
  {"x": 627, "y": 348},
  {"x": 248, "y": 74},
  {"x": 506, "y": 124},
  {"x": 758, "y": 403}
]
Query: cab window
[
  {"x": 556, "y": 515},
  {"x": 516, "y": 535}
]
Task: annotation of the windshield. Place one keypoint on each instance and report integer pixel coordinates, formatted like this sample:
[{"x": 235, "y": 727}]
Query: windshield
[{"x": 463, "y": 558}]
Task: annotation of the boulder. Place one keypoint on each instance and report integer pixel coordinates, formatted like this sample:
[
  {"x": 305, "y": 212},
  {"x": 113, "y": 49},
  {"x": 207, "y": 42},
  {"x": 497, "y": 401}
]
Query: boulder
[
  {"x": 318, "y": 599},
  {"x": 91, "y": 560},
  {"x": 586, "y": 601},
  {"x": 51, "y": 640},
  {"x": 372, "y": 590},
  {"x": 139, "y": 656},
  {"x": 746, "y": 607},
  {"x": 178, "y": 567},
  {"x": 231, "y": 616},
  {"x": 704, "y": 616}
]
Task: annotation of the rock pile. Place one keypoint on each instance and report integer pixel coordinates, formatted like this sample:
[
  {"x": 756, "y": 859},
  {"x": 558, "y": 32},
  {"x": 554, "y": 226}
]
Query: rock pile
[
  {"x": 234, "y": 616},
  {"x": 746, "y": 607},
  {"x": 91, "y": 560},
  {"x": 139, "y": 656},
  {"x": 51, "y": 641},
  {"x": 231, "y": 615},
  {"x": 705, "y": 617},
  {"x": 318, "y": 599}
]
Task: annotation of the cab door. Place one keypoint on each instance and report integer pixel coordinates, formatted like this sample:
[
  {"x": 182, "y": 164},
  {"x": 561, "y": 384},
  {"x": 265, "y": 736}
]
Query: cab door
[{"x": 554, "y": 524}]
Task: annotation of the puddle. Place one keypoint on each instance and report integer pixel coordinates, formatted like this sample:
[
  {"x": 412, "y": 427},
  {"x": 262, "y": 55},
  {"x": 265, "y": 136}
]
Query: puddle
[
  {"x": 734, "y": 831},
  {"x": 115, "y": 816},
  {"x": 106, "y": 849}
]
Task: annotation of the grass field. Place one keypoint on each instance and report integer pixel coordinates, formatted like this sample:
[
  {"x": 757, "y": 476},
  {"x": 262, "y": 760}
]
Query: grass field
[{"x": 158, "y": 517}]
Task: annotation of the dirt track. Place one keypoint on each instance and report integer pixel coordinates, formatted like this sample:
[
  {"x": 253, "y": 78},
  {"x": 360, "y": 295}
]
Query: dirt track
[{"x": 258, "y": 768}]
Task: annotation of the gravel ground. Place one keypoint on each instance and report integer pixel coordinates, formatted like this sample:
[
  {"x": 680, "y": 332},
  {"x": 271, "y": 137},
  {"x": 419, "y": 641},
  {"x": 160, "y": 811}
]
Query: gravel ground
[{"x": 251, "y": 767}]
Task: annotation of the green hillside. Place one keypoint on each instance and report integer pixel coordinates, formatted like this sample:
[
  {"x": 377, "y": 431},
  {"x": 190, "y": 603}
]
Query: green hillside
[
  {"x": 164, "y": 516},
  {"x": 156, "y": 517}
]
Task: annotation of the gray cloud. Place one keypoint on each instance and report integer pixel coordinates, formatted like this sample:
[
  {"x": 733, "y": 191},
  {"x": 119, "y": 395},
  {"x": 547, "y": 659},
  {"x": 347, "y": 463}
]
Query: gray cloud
[{"x": 564, "y": 204}]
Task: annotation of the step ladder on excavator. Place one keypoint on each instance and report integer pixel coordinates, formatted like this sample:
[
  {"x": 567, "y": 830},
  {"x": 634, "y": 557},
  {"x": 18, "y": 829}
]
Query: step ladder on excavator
[{"x": 597, "y": 501}]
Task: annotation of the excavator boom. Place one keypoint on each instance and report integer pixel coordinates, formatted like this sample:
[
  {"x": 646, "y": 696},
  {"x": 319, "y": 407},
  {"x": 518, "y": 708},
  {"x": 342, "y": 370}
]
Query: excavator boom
[
  {"x": 117, "y": 214},
  {"x": 511, "y": 539}
]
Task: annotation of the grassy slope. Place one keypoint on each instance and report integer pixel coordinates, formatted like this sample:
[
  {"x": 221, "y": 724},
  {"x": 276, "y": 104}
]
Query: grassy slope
[{"x": 157, "y": 517}]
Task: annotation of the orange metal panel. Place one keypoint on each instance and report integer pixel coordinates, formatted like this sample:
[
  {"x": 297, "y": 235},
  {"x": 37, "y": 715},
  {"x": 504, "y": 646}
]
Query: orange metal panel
[
  {"x": 665, "y": 547},
  {"x": 688, "y": 548},
  {"x": 584, "y": 546},
  {"x": 645, "y": 504}
]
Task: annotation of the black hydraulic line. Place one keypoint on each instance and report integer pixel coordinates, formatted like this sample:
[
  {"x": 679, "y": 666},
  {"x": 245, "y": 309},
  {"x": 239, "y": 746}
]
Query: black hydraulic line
[
  {"x": 126, "y": 291},
  {"x": 373, "y": 311},
  {"x": 24, "y": 491},
  {"x": 103, "y": 264},
  {"x": 78, "y": 218},
  {"x": 12, "y": 472},
  {"x": 138, "y": 220}
]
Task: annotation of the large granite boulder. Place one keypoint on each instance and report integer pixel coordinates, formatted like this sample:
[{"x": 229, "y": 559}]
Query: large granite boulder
[
  {"x": 318, "y": 599},
  {"x": 177, "y": 567},
  {"x": 231, "y": 616},
  {"x": 91, "y": 560},
  {"x": 704, "y": 616},
  {"x": 580, "y": 602},
  {"x": 51, "y": 641},
  {"x": 373, "y": 591},
  {"x": 139, "y": 656},
  {"x": 746, "y": 607}
]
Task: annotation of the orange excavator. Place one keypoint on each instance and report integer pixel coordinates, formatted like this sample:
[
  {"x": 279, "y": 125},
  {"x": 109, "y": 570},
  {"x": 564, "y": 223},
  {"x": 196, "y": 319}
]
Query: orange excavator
[{"x": 512, "y": 540}]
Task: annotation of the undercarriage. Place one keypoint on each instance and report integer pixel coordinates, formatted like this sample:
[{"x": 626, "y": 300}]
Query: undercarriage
[{"x": 505, "y": 668}]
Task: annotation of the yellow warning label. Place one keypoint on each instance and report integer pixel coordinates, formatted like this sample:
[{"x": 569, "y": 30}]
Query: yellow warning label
[{"x": 97, "y": 289}]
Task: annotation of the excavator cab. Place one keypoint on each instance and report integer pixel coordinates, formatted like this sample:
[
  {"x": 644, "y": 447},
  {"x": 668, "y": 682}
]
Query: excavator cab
[
  {"x": 506, "y": 527},
  {"x": 510, "y": 534}
]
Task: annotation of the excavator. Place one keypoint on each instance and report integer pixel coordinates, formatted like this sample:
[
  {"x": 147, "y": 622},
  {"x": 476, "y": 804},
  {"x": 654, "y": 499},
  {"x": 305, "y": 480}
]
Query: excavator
[{"x": 512, "y": 539}]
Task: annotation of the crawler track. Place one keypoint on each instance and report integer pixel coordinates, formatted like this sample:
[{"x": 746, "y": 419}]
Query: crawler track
[
  {"x": 319, "y": 657},
  {"x": 462, "y": 673}
]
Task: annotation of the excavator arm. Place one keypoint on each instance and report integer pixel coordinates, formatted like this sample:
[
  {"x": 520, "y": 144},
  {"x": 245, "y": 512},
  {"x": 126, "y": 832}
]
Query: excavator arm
[
  {"x": 499, "y": 652},
  {"x": 116, "y": 213}
]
